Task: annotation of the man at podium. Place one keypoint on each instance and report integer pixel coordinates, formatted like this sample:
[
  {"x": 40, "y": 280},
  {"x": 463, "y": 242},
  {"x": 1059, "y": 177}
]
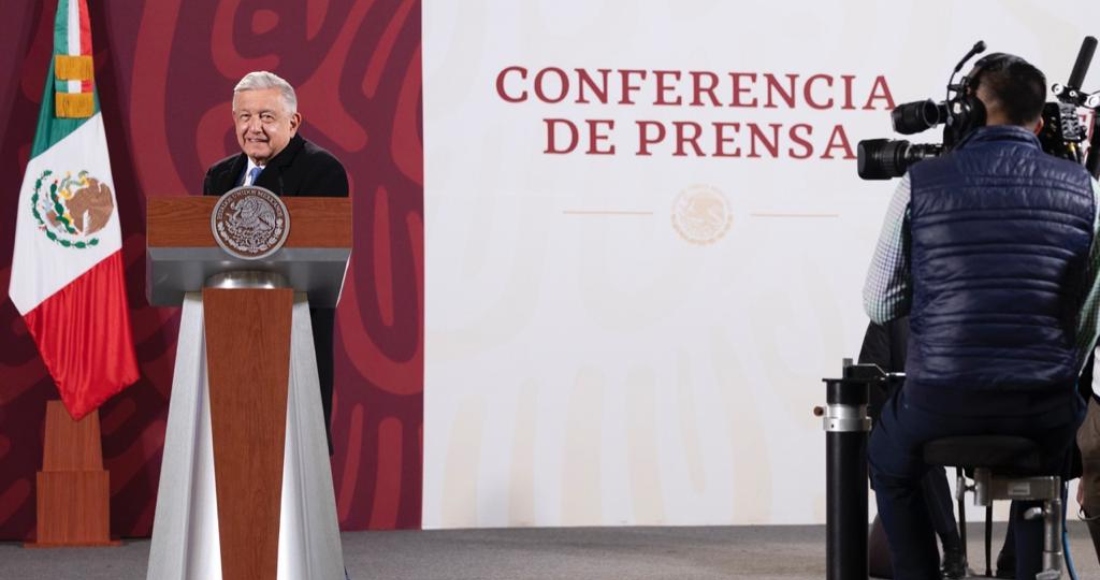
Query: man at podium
[{"x": 275, "y": 157}]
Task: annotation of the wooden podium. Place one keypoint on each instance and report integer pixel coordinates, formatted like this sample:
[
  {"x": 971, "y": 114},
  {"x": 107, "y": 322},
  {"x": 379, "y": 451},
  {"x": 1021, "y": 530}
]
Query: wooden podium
[{"x": 246, "y": 485}]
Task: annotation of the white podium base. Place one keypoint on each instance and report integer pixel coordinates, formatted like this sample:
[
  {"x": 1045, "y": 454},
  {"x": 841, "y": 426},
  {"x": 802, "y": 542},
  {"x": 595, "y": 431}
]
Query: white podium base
[{"x": 185, "y": 543}]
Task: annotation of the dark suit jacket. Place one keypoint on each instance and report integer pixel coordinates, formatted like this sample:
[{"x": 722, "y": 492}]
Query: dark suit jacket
[
  {"x": 300, "y": 169},
  {"x": 306, "y": 170}
]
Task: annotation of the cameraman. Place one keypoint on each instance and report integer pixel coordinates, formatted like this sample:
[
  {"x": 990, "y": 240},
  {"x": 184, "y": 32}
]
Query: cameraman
[{"x": 990, "y": 249}]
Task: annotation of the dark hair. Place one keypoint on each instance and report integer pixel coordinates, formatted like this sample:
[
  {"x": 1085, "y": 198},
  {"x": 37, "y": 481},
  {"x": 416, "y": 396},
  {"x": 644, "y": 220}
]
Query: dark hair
[{"x": 1013, "y": 86}]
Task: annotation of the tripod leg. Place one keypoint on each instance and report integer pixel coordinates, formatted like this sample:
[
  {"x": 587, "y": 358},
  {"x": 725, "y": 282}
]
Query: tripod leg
[
  {"x": 960, "y": 484},
  {"x": 988, "y": 538}
]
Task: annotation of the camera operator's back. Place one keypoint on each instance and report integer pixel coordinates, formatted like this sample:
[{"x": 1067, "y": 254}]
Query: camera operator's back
[{"x": 1000, "y": 236}]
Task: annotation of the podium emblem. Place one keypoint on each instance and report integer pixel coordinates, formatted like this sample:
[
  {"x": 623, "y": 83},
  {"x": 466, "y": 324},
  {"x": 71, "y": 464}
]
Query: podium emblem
[{"x": 250, "y": 222}]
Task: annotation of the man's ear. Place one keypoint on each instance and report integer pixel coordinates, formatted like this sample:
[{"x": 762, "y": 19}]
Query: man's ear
[
  {"x": 296, "y": 121},
  {"x": 1038, "y": 126}
]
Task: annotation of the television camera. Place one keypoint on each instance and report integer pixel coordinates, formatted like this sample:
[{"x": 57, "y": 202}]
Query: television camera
[{"x": 1063, "y": 134}]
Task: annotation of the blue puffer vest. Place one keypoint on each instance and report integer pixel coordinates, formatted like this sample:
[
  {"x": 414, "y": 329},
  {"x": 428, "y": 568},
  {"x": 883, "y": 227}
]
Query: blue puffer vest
[{"x": 1001, "y": 233}]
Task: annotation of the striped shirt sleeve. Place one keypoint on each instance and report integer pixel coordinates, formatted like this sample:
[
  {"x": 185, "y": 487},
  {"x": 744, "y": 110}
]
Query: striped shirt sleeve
[
  {"x": 887, "y": 292},
  {"x": 1088, "y": 323}
]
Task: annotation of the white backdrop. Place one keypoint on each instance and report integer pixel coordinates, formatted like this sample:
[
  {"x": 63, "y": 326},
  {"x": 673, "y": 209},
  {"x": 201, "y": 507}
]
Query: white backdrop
[{"x": 639, "y": 339}]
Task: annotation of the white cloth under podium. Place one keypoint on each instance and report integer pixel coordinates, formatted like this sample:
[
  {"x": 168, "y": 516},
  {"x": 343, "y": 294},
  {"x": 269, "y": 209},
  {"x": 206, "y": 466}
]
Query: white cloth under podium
[{"x": 185, "y": 544}]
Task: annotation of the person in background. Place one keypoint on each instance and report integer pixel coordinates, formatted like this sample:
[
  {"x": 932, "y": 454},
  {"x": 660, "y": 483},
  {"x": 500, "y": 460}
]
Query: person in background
[{"x": 1088, "y": 441}]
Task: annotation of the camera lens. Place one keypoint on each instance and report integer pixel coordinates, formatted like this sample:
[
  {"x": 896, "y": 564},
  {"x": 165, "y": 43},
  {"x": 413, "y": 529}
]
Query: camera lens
[
  {"x": 910, "y": 118},
  {"x": 886, "y": 159}
]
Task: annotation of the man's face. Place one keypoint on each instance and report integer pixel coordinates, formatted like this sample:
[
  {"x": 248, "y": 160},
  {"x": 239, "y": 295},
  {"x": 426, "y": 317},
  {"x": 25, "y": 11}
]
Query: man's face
[{"x": 264, "y": 126}]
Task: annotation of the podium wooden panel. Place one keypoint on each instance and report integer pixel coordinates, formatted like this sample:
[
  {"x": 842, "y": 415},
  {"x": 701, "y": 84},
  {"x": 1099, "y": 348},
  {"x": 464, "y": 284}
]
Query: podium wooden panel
[
  {"x": 316, "y": 222},
  {"x": 73, "y": 504},
  {"x": 248, "y": 363}
]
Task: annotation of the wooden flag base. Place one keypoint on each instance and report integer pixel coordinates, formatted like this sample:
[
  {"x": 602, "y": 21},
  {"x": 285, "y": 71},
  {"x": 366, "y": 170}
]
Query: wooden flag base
[{"x": 74, "y": 491}]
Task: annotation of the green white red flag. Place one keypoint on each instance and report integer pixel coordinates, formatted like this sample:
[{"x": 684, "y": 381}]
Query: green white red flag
[{"x": 67, "y": 278}]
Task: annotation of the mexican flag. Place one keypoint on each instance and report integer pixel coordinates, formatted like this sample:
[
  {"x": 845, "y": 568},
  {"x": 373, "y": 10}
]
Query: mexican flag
[{"x": 67, "y": 272}]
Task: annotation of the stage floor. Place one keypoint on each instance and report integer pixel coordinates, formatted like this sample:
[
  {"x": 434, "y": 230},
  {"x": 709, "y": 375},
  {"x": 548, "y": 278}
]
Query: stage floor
[{"x": 629, "y": 553}]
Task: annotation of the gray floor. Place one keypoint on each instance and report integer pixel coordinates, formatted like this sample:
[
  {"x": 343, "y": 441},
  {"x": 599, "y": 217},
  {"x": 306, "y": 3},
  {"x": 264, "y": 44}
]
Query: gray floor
[{"x": 765, "y": 552}]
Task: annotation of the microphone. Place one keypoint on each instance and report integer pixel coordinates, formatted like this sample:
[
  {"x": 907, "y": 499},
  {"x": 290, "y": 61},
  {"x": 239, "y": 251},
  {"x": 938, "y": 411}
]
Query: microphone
[
  {"x": 979, "y": 47},
  {"x": 1081, "y": 66}
]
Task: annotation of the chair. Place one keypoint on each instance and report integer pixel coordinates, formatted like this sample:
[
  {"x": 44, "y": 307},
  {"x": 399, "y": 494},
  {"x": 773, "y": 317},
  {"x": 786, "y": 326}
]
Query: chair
[{"x": 1004, "y": 468}]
